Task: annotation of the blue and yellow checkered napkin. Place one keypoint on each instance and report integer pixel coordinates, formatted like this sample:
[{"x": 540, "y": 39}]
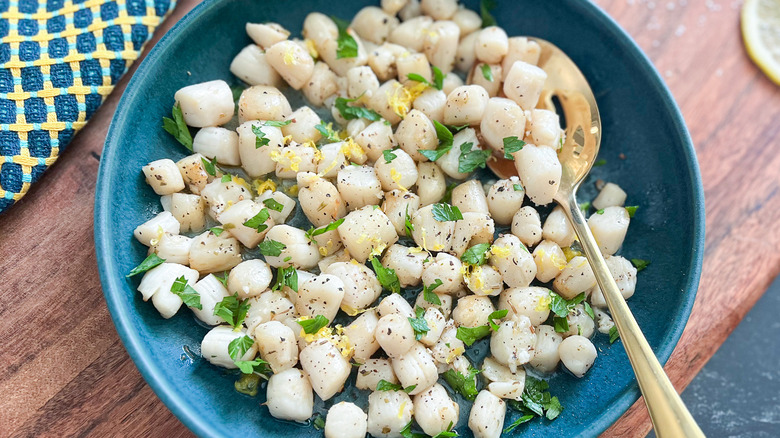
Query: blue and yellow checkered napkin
[{"x": 58, "y": 61}]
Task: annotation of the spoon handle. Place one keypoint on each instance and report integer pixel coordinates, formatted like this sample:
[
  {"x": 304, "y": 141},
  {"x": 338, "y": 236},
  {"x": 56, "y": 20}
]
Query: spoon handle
[{"x": 668, "y": 413}]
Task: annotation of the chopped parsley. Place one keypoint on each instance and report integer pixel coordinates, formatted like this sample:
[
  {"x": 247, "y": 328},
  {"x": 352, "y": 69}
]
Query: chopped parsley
[
  {"x": 437, "y": 153},
  {"x": 318, "y": 422},
  {"x": 389, "y": 156},
  {"x": 286, "y": 277},
  {"x": 177, "y": 127},
  {"x": 561, "y": 307},
  {"x": 446, "y": 213},
  {"x": 487, "y": 73},
  {"x": 600, "y": 211},
  {"x": 151, "y": 261},
  {"x": 519, "y": 421},
  {"x": 613, "y": 334},
  {"x": 317, "y": 231},
  {"x": 477, "y": 254},
  {"x": 238, "y": 347},
  {"x": 232, "y": 310},
  {"x": 384, "y": 385},
  {"x": 355, "y": 112},
  {"x": 408, "y": 227},
  {"x": 447, "y": 198},
  {"x": 278, "y": 124},
  {"x": 465, "y": 385},
  {"x": 585, "y": 206},
  {"x": 210, "y": 166},
  {"x": 190, "y": 296},
  {"x": 600, "y": 162},
  {"x": 438, "y": 78},
  {"x": 429, "y": 295},
  {"x": 271, "y": 248},
  {"x": 537, "y": 400},
  {"x": 258, "y": 221},
  {"x": 512, "y": 145},
  {"x": 226, "y": 178},
  {"x": 223, "y": 279},
  {"x": 470, "y": 335},
  {"x": 313, "y": 325},
  {"x": 327, "y": 132},
  {"x": 631, "y": 210},
  {"x": 640, "y": 264},
  {"x": 346, "y": 47},
  {"x": 260, "y": 138},
  {"x": 469, "y": 160},
  {"x": 517, "y": 187},
  {"x": 484, "y": 8},
  {"x": 419, "y": 324},
  {"x": 386, "y": 276},
  {"x": 443, "y": 133},
  {"x": 273, "y": 204}
]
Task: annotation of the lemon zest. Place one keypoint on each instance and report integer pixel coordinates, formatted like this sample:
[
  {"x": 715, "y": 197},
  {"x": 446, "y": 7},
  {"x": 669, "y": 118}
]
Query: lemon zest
[
  {"x": 500, "y": 251},
  {"x": 401, "y": 410},
  {"x": 455, "y": 352},
  {"x": 396, "y": 177},
  {"x": 261, "y": 186},
  {"x": 289, "y": 58},
  {"x": 160, "y": 234},
  {"x": 311, "y": 48},
  {"x": 543, "y": 303}
]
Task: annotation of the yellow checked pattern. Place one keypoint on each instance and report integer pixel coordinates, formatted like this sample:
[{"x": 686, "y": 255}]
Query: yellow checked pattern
[{"x": 58, "y": 61}]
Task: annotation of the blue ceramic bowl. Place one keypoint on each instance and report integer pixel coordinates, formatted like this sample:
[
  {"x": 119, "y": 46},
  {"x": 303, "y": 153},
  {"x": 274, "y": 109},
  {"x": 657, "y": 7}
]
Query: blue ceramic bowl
[{"x": 646, "y": 146}]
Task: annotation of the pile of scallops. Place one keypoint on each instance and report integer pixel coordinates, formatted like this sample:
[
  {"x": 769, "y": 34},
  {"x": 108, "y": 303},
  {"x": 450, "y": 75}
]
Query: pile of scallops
[{"x": 387, "y": 215}]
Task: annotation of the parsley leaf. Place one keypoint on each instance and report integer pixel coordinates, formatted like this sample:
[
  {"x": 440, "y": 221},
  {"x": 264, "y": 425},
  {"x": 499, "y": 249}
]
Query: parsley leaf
[
  {"x": 258, "y": 221},
  {"x": 600, "y": 211},
  {"x": 190, "y": 296},
  {"x": 256, "y": 365},
  {"x": 536, "y": 401},
  {"x": 447, "y": 198},
  {"x": 406, "y": 432},
  {"x": 260, "y": 138},
  {"x": 419, "y": 78},
  {"x": 318, "y": 422},
  {"x": 487, "y": 73},
  {"x": 443, "y": 134},
  {"x": 437, "y": 153},
  {"x": 327, "y": 132},
  {"x": 561, "y": 325},
  {"x": 429, "y": 295},
  {"x": 465, "y": 385},
  {"x": 384, "y": 385},
  {"x": 232, "y": 310},
  {"x": 273, "y": 204},
  {"x": 600, "y": 162},
  {"x": 217, "y": 230},
  {"x": 476, "y": 255},
  {"x": 498, "y": 314},
  {"x": 446, "y": 213},
  {"x": 561, "y": 308},
  {"x": 223, "y": 279},
  {"x": 484, "y": 8},
  {"x": 613, "y": 334},
  {"x": 512, "y": 145},
  {"x": 419, "y": 324},
  {"x": 585, "y": 206},
  {"x": 469, "y": 160},
  {"x": 355, "y": 112},
  {"x": 152, "y": 261},
  {"x": 640, "y": 264},
  {"x": 438, "y": 78},
  {"x": 386, "y": 276},
  {"x": 177, "y": 127},
  {"x": 210, "y": 166},
  {"x": 408, "y": 227},
  {"x": 238, "y": 347},
  {"x": 517, "y": 187},
  {"x": 631, "y": 210},
  {"x": 277, "y": 123},
  {"x": 389, "y": 156},
  {"x": 226, "y": 178},
  {"x": 271, "y": 248},
  {"x": 589, "y": 310},
  {"x": 330, "y": 227},
  {"x": 470, "y": 335},
  {"x": 519, "y": 421},
  {"x": 286, "y": 277},
  {"x": 313, "y": 325},
  {"x": 347, "y": 46}
]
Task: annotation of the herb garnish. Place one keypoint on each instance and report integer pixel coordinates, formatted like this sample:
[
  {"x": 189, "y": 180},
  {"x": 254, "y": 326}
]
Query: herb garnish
[
  {"x": 151, "y": 261},
  {"x": 177, "y": 127}
]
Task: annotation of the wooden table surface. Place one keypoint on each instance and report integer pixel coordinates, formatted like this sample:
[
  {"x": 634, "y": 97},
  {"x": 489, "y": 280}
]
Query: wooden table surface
[{"x": 63, "y": 370}]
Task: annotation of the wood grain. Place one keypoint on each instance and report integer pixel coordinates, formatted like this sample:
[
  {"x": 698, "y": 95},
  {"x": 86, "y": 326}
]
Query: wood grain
[{"x": 63, "y": 371}]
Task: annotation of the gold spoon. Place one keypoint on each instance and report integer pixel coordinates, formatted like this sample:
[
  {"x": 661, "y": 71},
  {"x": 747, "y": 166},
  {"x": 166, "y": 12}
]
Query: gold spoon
[{"x": 669, "y": 415}]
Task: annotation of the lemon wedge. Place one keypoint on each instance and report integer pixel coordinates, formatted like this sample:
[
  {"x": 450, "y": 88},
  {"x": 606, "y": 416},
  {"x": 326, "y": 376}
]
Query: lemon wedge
[{"x": 761, "y": 33}]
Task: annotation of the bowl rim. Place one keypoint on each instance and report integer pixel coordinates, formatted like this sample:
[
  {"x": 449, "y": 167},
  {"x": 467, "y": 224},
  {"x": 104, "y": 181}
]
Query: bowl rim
[{"x": 153, "y": 374}]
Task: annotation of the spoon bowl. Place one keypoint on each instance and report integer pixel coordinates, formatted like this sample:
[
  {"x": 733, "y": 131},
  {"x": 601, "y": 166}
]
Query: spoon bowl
[{"x": 577, "y": 153}]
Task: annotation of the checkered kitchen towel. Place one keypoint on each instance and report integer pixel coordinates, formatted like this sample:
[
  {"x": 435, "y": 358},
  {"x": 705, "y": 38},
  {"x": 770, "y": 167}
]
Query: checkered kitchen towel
[{"x": 58, "y": 61}]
